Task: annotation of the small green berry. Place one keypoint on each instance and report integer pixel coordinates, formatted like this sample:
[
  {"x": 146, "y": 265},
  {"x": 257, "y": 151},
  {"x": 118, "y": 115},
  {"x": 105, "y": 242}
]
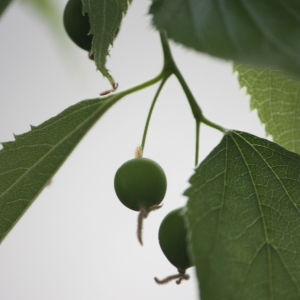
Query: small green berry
[
  {"x": 77, "y": 25},
  {"x": 140, "y": 183},
  {"x": 173, "y": 242}
]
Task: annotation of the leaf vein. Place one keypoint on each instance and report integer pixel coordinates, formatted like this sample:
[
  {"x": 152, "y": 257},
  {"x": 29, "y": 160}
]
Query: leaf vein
[{"x": 270, "y": 284}]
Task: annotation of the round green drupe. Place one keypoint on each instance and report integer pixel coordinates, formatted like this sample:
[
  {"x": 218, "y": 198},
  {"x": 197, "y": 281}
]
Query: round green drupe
[
  {"x": 173, "y": 240},
  {"x": 77, "y": 25},
  {"x": 140, "y": 183}
]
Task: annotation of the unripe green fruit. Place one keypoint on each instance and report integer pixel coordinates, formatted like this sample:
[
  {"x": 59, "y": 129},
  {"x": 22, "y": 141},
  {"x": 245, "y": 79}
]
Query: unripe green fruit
[
  {"x": 77, "y": 25},
  {"x": 140, "y": 183},
  {"x": 173, "y": 239}
]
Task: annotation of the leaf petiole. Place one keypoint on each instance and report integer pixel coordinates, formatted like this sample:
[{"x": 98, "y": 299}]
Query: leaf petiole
[
  {"x": 143, "y": 85},
  {"x": 170, "y": 67}
]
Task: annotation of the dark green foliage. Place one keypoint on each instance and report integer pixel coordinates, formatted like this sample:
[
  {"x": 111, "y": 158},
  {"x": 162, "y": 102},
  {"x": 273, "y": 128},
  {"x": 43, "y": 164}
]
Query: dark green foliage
[
  {"x": 28, "y": 163},
  {"x": 105, "y": 18},
  {"x": 243, "y": 220},
  {"x": 271, "y": 92},
  {"x": 3, "y": 5},
  {"x": 140, "y": 183},
  {"x": 265, "y": 33},
  {"x": 77, "y": 25},
  {"x": 173, "y": 239}
]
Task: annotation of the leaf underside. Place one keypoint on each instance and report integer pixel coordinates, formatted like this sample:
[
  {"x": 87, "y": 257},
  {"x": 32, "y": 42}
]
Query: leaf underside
[
  {"x": 28, "y": 163},
  {"x": 105, "y": 19},
  {"x": 259, "y": 32},
  {"x": 276, "y": 98},
  {"x": 244, "y": 219}
]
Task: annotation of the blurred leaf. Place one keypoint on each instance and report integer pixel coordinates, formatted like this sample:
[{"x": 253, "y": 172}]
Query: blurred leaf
[
  {"x": 3, "y": 5},
  {"x": 259, "y": 32},
  {"x": 28, "y": 163},
  {"x": 277, "y": 100},
  {"x": 244, "y": 219},
  {"x": 105, "y": 19},
  {"x": 49, "y": 12}
]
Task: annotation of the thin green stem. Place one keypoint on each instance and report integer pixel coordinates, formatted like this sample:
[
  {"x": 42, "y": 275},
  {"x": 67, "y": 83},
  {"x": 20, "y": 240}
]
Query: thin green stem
[
  {"x": 143, "y": 85},
  {"x": 151, "y": 111},
  {"x": 213, "y": 125},
  {"x": 113, "y": 99},
  {"x": 197, "y": 140},
  {"x": 110, "y": 100},
  {"x": 196, "y": 110},
  {"x": 168, "y": 57},
  {"x": 170, "y": 66}
]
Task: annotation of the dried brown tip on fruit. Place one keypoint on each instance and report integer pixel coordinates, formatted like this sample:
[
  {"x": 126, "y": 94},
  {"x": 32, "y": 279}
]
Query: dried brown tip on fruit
[
  {"x": 143, "y": 214},
  {"x": 139, "y": 232},
  {"x": 178, "y": 277}
]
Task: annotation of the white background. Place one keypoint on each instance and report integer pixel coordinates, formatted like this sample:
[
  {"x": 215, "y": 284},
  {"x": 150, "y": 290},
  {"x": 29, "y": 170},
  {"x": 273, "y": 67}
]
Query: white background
[{"x": 77, "y": 242}]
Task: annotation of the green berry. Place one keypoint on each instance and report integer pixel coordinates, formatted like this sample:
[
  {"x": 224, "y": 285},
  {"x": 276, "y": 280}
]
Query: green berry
[
  {"x": 140, "y": 183},
  {"x": 173, "y": 240},
  {"x": 77, "y": 25}
]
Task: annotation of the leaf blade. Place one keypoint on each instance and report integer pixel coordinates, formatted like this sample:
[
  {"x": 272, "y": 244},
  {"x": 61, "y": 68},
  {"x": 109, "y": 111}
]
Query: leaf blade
[
  {"x": 276, "y": 98},
  {"x": 28, "y": 163},
  {"x": 105, "y": 20},
  {"x": 252, "y": 32},
  {"x": 242, "y": 200}
]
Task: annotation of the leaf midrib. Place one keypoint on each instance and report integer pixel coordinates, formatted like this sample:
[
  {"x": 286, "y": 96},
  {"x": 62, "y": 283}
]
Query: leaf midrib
[
  {"x": 268, "y": 242},
  {"x": 259, "y": 204},
  {"x": 272, "y": 171}
]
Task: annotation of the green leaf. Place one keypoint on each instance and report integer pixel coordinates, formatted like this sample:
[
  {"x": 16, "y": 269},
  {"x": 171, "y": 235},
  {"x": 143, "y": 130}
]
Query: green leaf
[
  {"x": 244, "y": 219},
  {"x": 28, "y": 163},
  {"x": 259, "y": 32},
  {"x": 105, "y": 20},
  {"x": 277, "y": 100},
  {"x": 3, "y": 5}
]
